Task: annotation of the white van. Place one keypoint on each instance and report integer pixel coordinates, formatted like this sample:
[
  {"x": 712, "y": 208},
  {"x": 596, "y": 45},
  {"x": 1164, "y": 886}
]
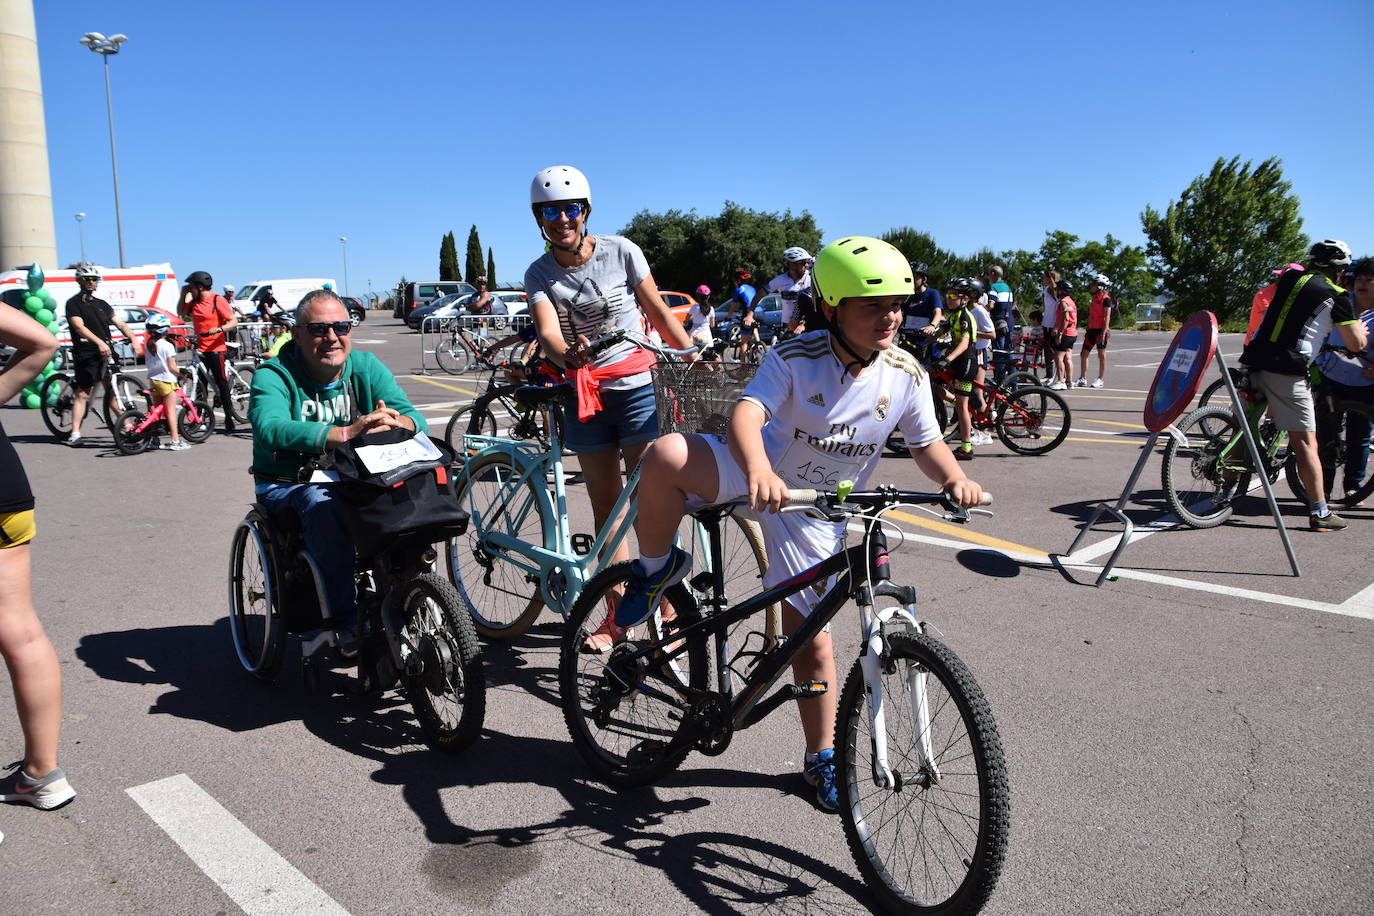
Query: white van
[
  {"x": 152, "y": 285},
  {"x": 287, "y": 292}
]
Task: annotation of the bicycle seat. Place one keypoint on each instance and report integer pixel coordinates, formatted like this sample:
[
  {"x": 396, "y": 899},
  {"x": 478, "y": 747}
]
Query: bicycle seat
[{"x": 539, "y": 395}]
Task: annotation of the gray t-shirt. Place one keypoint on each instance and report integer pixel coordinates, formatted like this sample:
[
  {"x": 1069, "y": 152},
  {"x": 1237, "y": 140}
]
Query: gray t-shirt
[{"x": 596, "y": 298}]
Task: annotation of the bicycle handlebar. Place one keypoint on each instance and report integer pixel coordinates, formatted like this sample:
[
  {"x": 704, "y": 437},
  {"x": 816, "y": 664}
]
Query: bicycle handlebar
[
  {"x": 835, "y": 501},
  {"x": 605, "y": 341}
]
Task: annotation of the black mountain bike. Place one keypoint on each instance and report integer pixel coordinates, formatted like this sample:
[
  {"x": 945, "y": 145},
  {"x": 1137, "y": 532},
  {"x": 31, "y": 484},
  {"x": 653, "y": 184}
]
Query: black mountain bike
[{"x": 922, "y": 781}]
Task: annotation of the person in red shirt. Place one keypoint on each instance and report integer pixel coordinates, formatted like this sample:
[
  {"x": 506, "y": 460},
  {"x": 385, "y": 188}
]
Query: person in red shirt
[
  {"x": 1099, "y": 331},
  {"x": 1066, "y": 334},
  {"x": 211, "y": 316}
]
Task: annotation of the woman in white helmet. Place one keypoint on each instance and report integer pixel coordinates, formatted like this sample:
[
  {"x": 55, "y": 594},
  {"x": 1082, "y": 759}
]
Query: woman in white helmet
[
  {"x": 585, "y": 286},
  {"x": 791, "y": 285}
]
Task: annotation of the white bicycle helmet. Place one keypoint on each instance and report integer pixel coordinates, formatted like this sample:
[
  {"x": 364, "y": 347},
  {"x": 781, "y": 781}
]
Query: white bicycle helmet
[
  {"x": 1330, "y": 253},
  {"x": 794, "y": 254},
  {"x": 157, "y": 323},
  {"x": 1101, "y": 280},
  {"x": 560, "y": 182},
  {"x": 87, "y": 271}
]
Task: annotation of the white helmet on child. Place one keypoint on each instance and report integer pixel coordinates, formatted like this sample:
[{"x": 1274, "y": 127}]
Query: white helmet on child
[
  {"x": 1102, "y": 281},
  {"x": 157, "y": 323}
]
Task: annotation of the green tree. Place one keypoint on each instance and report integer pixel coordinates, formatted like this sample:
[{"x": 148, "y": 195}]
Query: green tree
[
  {"x": 685, "y": 249},
  {"x": 448, "y": 258},
  {"x": 1215, "y": 245},
  {"x": 491, "y": 270},
  {"x": 474, "y": 263},
  {"x": 1078, "y": 262}
]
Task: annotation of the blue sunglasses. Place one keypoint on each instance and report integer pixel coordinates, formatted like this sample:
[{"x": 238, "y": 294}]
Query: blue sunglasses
[{"x": 572, "y": 211}]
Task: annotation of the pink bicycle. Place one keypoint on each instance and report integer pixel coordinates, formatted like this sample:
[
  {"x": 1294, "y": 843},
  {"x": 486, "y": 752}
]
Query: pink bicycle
[{"x": 136, "y": 428}]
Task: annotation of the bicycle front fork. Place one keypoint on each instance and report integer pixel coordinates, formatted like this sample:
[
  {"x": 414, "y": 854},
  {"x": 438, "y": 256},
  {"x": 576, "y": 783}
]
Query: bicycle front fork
[{"x": 874, "y": 659}]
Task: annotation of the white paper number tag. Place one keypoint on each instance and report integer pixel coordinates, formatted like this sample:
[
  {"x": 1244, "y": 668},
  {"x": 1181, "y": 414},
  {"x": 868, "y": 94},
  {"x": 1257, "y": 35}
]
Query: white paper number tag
[
  {"x": 378, "y": 459},
  {"x": 803, "y": 465}
]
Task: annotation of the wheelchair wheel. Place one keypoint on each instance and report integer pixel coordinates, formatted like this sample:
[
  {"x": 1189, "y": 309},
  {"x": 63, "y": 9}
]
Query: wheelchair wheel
[{"x": 254, "y": 618}]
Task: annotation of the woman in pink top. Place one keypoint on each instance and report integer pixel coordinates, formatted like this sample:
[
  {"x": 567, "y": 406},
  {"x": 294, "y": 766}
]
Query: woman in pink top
[{"x": 1066, "y": 328}]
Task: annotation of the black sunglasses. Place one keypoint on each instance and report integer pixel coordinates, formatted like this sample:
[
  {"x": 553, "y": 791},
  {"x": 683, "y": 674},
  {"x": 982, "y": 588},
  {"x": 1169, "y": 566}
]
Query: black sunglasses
[
  {"x": 572, "y": 211},
  {"x": 321, "y": 328}
]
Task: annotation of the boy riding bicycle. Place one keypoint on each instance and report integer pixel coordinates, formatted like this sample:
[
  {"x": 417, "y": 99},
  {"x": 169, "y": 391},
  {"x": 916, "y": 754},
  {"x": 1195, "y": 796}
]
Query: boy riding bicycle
[{"x": 818, "y": 412}]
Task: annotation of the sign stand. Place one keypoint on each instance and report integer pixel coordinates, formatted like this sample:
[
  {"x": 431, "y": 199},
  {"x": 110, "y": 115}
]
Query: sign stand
[{"x": 1175, "y": 385}]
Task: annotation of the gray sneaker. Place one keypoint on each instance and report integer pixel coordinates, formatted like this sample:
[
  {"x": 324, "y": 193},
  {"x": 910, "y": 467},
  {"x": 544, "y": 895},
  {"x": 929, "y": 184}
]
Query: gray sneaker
[
  {"x": 1331, "y": 522},
  {"x": 181, "y": 445},
  {"x": 51, "y": 791}
]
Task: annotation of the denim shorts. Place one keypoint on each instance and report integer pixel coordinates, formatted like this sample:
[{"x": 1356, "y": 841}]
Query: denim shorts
[{"x": 628, "y": 417}]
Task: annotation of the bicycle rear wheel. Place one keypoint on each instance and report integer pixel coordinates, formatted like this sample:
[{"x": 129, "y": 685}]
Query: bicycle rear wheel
[
  {"x": 452, "y": 355},
  {"x": 935, "y": 841},
  {"x": 1332, "y": 432},
  {"x": 126, "y": 435},
  {"x": 56, "y": 398},
  {"x": 1201, "y": 478},
  {"x": 128, "y": 391},
  {"x": 1032, "y": 420},
  {"x": 240, "y": 391},
  {"x": 500, "y": 586},
  {"x": 449, "y": 694},
  {"x": 255, "y": 621},
  {"x": 624, "y": 714}
]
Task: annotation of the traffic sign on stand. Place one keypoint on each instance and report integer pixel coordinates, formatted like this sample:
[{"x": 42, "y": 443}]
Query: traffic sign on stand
[{"x": 1181, "y": 371}]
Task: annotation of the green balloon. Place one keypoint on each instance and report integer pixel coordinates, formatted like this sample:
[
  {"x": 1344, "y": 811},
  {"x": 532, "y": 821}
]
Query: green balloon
[
  {"x": 52, "y": 326},
  {"x": 44, "y": 316},
  {"x": 31, "y": 400},
  {"x": 47, "y": 371},
  {"x": 52, "y": 365},
  {"x": 35, "y": 277},
  {"x": 45, "y": 295},
  {"x": 32, "y": 304}
]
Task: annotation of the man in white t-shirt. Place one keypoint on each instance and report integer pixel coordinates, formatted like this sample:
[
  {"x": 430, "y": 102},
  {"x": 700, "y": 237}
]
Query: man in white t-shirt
[
  {"x": 790, "y": 285},
  {"x": 818, "y": 412}
]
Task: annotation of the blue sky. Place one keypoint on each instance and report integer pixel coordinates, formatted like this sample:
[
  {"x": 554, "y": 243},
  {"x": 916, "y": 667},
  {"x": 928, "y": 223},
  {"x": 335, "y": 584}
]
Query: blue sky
[{"x": 252, "y": 135}]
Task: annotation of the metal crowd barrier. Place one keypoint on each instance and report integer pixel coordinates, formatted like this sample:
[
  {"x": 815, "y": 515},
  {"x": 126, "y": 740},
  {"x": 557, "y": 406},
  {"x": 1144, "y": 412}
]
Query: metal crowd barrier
[{"x": 481, "y": 330}]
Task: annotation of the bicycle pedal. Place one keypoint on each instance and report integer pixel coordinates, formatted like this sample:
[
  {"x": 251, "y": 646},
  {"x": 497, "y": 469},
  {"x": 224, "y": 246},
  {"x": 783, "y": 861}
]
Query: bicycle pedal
[
  {"x": 809, "y": 690},
  {"x": 582, "y": 544}
]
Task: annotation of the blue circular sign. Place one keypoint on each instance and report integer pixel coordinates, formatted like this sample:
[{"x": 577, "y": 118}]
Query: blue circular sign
[{"x": 1180, "y": 373}]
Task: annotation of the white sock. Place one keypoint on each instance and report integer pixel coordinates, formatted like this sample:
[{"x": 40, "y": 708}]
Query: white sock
[{"x": 652, "y": 565}]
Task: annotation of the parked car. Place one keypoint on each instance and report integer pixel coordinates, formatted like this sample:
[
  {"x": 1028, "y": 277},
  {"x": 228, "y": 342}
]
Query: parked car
[
  {"x": 767, "y": 312},
  {"x": 135, "y": 316},
  {"x": 456, "y": 304},
  {"x": 356, "y": 310},
  {"x": 414, "y": 294}
]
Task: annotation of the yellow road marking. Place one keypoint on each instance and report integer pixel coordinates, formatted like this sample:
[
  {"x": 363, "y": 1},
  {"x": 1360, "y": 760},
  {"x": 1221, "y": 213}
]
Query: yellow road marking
[
  {"x": 1112, "y": 423},
  {"x": 964, "y": 534},
  {"x": 1122, "y": 441},
  {"x": 421, "y": 378}
]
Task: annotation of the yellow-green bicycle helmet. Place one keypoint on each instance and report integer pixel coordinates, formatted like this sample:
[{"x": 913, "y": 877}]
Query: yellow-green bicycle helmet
[{"x": 861, "y": 266}]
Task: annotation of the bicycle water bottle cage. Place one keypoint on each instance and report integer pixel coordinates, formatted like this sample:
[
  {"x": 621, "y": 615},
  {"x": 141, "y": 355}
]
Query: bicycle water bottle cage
[{"x": 582, "y": 543}]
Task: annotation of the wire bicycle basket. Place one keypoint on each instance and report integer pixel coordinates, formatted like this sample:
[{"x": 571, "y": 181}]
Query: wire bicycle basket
[{"x": 698, "y": 397}]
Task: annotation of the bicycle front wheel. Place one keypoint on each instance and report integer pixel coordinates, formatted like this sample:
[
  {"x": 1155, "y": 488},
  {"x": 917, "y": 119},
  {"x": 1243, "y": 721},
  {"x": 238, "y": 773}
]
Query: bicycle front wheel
[
  {"x": 624, "y": 714},
  {"x": 1032, "y": 421},
  {"x": 240, "y": 391},
  {"x": 449, "y": 694},
  {"x": 56, "y": 398},
  {"x": 500, "y": 585},
  {"x": 935, "y": 840},
  {"x": 128, "y": 391},
  {"x": 199, "y": 429},
  {"x": 1202, "y": 477},
  {"x": 463, "y": 422},
  {"x": 452, "y": 355}
]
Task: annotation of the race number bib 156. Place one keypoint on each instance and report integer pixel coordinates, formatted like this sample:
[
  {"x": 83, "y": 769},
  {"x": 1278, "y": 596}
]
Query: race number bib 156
[{"x": 803, "y": 465}]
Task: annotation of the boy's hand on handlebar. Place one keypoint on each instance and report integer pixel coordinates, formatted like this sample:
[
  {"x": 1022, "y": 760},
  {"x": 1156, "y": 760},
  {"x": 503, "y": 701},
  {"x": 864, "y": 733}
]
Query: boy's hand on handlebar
[
  {"x": 767, "y": 491},
  {"x": 966, "y": 493},
  {"x": 577, "y": 355}
]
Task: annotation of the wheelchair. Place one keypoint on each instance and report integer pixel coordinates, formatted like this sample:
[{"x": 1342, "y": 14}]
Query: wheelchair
[{"x": 415, "y": 631}]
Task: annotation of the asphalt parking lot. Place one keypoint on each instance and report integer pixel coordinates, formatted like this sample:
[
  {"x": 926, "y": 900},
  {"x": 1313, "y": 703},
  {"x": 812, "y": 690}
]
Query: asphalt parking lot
[{"x": 1192, "y": 737}]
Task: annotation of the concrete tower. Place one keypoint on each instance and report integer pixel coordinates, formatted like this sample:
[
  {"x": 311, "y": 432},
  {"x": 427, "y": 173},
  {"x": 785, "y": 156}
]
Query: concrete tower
[{"x": 26, "y": 222}]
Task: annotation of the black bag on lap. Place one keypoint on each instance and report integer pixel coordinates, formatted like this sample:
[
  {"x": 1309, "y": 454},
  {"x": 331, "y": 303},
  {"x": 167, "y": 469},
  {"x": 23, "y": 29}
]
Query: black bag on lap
[{"x": 396, "y": 483}]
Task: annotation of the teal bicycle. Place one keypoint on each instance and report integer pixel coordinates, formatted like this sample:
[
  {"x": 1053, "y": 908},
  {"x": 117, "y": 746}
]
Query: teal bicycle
[{"x": 520, "y": 554}]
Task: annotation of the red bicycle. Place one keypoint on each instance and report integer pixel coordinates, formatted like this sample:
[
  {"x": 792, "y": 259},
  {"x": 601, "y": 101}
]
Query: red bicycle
[{"x": 136, "y": 428}]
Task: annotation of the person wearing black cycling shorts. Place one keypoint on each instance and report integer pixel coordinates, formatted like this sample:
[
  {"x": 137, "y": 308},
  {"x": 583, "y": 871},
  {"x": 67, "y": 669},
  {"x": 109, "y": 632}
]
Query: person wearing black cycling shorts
[
  {"x": 89, "y": 319},
  {"x": 1307, "y": 305}
]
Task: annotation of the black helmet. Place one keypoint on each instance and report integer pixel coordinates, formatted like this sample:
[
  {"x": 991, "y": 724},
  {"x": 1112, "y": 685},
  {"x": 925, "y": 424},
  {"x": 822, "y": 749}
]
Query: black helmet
[
  {"x": 975, "y": 286},
  {"x": 201, "y": 278},
  {"x": 1063, "y": 286},
  {"x": 920, "y": 267}
]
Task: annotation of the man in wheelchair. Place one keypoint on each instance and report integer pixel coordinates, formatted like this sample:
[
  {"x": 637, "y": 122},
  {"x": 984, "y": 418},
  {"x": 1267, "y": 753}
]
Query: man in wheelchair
[{"x": 314, "y": 396}]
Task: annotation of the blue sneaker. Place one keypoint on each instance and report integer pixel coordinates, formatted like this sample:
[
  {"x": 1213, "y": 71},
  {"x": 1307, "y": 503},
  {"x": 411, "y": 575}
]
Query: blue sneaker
[
  {"x": 642, "y": 593},
  {"x": 821, "y": 774}
]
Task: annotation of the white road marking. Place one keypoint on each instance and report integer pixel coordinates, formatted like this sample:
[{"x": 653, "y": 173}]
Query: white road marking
[
  {"x": 252, "y": 873},
  {"x": 372, "y": 343}
]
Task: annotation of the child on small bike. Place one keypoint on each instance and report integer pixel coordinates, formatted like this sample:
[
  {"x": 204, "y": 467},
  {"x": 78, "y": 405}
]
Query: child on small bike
[
  {"x": 818, "y": 412},
  {"x": 164, "y": 378}
]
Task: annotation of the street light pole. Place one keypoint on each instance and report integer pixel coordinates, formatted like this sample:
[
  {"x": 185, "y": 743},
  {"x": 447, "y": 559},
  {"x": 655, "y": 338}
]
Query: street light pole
[
  {"x": 103, "y": 46},
  {"x": 81, "y": 230},
  {"x": 343, "y": 243}
]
